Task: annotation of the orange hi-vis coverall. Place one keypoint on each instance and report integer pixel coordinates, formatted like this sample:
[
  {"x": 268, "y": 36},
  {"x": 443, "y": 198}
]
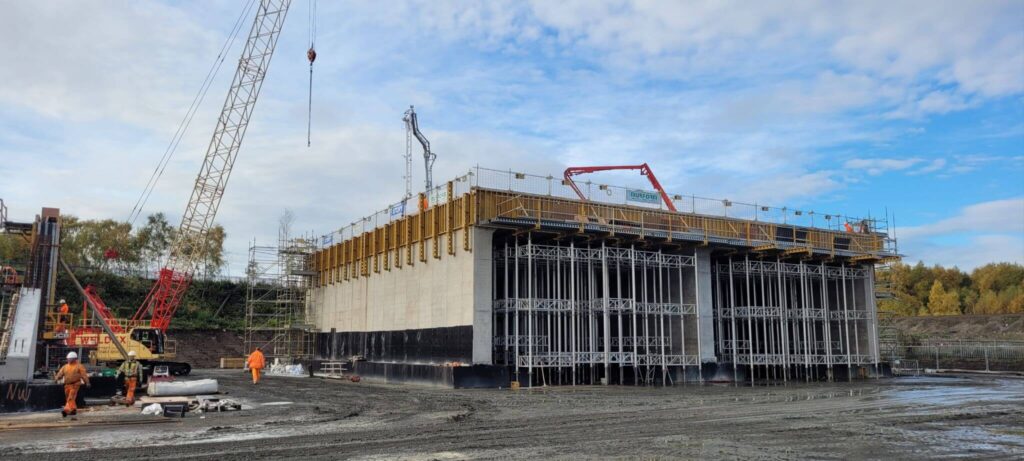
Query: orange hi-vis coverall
[
  {"x": 74, "y": 375},
  {"x": 256, "y": 362},
  {"x": 132, "y": 372}
]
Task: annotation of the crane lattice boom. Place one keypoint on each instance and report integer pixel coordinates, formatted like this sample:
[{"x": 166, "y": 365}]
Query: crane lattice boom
[{"x": 188, "y": 248}]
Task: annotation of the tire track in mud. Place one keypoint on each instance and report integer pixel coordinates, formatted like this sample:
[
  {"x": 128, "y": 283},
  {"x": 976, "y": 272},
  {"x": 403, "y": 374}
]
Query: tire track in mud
[
  {"x": 541, "y": 430},
  {"x": 785, "y": 422}
]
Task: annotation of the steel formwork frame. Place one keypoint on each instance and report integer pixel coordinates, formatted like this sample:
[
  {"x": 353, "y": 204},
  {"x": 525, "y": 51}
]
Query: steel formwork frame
[
  {"x": 276, "y": 304},
  {"x": 568, "y": 314},
  {"x": 786, "y": 320}
]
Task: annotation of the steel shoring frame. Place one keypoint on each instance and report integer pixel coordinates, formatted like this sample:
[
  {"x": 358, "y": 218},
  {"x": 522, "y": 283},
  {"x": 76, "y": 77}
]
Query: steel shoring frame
[
  {"x": 529, "y": 313},
  {"x": 856, "y": 337},
  {"x": 719, "y": 333},
  {"x": 593, "y": 314},
  {"x": 825, "y": 327},
  {"x": 732, "y": 321},
  {"x": 696, "y": 297},
  {"x": 846, "y": 328},
  {"x": 619, "y": 315},
  {"x": 682, "y": 318},
  {"x": 810, "y": 316},
  {"x": 783, "y": 330}
]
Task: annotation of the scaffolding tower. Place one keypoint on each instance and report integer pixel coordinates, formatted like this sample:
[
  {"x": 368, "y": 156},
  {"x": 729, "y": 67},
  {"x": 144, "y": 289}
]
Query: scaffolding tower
[{"x": 276, "y": 305}]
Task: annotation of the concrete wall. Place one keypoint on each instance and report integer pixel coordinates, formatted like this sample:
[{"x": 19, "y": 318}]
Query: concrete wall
[
  {"x": 21, "y": 351},
  {"x": 452, "y": 291},
  {"x": 705, "y": 314},
  {"x": 431, "y": 294},
  {"x": 483, "y": 296}
]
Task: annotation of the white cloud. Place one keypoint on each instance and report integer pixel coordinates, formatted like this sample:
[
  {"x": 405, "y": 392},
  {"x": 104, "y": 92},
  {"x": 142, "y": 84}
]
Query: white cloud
[
  {"x": 133, "y": 63},
  {"x": 783, "y": 188},
  {"x": 997, "y": 216},
  {"x": 723, "y": 99},
  {"x": 931, "y": 167},
  {"x": 971, "y": 162},
  {"x": 974, "y": 252},
  {"x": 877, "y": 166},
  {"x": 978, "y": 234}
]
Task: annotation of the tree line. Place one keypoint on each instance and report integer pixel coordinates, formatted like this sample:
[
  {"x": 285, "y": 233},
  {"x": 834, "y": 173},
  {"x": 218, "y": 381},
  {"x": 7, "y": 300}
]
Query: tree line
[
  {"x": 118, "y": 247},
  {"x": 125, "y": 280},
  {"x": 995, "y": 288}
]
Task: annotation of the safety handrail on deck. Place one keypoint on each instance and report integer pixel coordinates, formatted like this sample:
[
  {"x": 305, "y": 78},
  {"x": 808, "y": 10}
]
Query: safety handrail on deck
[{"x": 617, "y": 218}]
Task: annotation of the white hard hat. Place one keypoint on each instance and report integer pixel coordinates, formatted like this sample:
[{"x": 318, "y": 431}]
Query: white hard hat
[
  {"x": 131, "y": 353},
  {"x": 72, "y": 356}
]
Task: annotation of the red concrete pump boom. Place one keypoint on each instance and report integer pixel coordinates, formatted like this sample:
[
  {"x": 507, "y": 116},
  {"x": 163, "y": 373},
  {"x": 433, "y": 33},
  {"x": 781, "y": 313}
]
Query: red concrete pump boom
[{"x": 644, "y": 170}]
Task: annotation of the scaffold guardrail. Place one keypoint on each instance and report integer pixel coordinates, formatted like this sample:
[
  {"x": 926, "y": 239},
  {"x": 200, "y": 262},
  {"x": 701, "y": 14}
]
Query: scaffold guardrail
[{"x": 556, "y": 187}]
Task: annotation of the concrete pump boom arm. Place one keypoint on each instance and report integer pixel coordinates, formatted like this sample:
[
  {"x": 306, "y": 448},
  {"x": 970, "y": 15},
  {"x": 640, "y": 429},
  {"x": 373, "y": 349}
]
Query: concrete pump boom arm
[
  {"x": 644, "y": 170},
  {"x": 413, "y": 124}
]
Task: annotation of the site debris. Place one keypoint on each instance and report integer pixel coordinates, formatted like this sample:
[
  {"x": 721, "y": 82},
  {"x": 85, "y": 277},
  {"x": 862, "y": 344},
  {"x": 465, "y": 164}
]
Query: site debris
[{"x": 906, "y": 418}]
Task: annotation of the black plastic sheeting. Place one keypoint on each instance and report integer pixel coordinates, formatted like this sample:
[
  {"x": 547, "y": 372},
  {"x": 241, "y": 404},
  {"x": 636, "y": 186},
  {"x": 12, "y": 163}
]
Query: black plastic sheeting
[
  {"x": 428, "y": 345},
  {"x": 40, "y": 395},
  {"x": 480, "y": 377},
  {"x": 467, "y": 377}
]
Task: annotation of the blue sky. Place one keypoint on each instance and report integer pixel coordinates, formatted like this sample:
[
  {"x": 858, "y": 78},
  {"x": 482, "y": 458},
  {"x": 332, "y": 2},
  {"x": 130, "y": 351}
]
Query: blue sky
[{"x": 859, "y": 107}]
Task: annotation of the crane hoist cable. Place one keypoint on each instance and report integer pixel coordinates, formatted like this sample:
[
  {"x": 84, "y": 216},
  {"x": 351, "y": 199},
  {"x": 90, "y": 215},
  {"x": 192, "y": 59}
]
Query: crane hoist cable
[
  {"x": 311, "y": 56},
  {"x": 179, "y": 134}
]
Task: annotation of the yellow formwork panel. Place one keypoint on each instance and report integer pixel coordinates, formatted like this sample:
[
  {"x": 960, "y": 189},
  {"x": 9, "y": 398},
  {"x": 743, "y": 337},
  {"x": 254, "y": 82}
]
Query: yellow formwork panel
[
  {"x": 495, "y": 204},
  {"x": 424, "y": 230}
]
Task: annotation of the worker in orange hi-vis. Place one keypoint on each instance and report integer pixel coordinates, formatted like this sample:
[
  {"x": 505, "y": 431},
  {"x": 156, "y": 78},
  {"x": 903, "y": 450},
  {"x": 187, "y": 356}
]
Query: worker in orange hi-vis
[
  {"x": 74, "y": 375},
  {"x": 132, "y": 372},
  {"x": 849, "y": 228},
  {"x": 63, "y": 310},
  {"x": 256, "y": 362}
]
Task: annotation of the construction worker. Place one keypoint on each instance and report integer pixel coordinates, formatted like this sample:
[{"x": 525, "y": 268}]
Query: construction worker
[
  {"x": 865, "y": 228},
  {"x": 132, "y": 372},
  {"x": 62, "y": 311},
  {"x": 256, "y": 362},
  {"x": 848, "y": 226},
  {"x": 74, "y": 375}
]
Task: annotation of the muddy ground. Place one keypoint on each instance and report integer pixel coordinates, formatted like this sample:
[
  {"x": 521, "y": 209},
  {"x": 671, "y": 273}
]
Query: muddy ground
[{"x": 312, "y": 418}]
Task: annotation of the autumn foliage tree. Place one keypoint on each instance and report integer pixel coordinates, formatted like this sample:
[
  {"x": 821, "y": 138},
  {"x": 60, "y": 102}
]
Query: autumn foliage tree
[
  {"x": 140, "y": 251},
  {"x": 996, "y": 288}
]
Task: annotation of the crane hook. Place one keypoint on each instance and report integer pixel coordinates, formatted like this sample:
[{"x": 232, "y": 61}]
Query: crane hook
[{"x": 311, "y": 55}]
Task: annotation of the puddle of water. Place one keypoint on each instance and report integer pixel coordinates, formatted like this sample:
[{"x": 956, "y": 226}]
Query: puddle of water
[
  {"x": 960, "y": 392},
  {"x": 976, "y": 439}
]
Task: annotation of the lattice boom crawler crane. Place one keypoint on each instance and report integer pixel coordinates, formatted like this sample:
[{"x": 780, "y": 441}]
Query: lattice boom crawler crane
[{"x": 146, "y": 330}]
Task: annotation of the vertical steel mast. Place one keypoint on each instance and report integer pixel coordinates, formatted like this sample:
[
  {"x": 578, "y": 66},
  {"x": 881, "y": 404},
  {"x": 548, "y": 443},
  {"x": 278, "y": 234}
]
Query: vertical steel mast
[
  {"x": 408, "y": 153},
  {"x": 412, "y": 124},
  {"x": 187, "y": 250}
]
